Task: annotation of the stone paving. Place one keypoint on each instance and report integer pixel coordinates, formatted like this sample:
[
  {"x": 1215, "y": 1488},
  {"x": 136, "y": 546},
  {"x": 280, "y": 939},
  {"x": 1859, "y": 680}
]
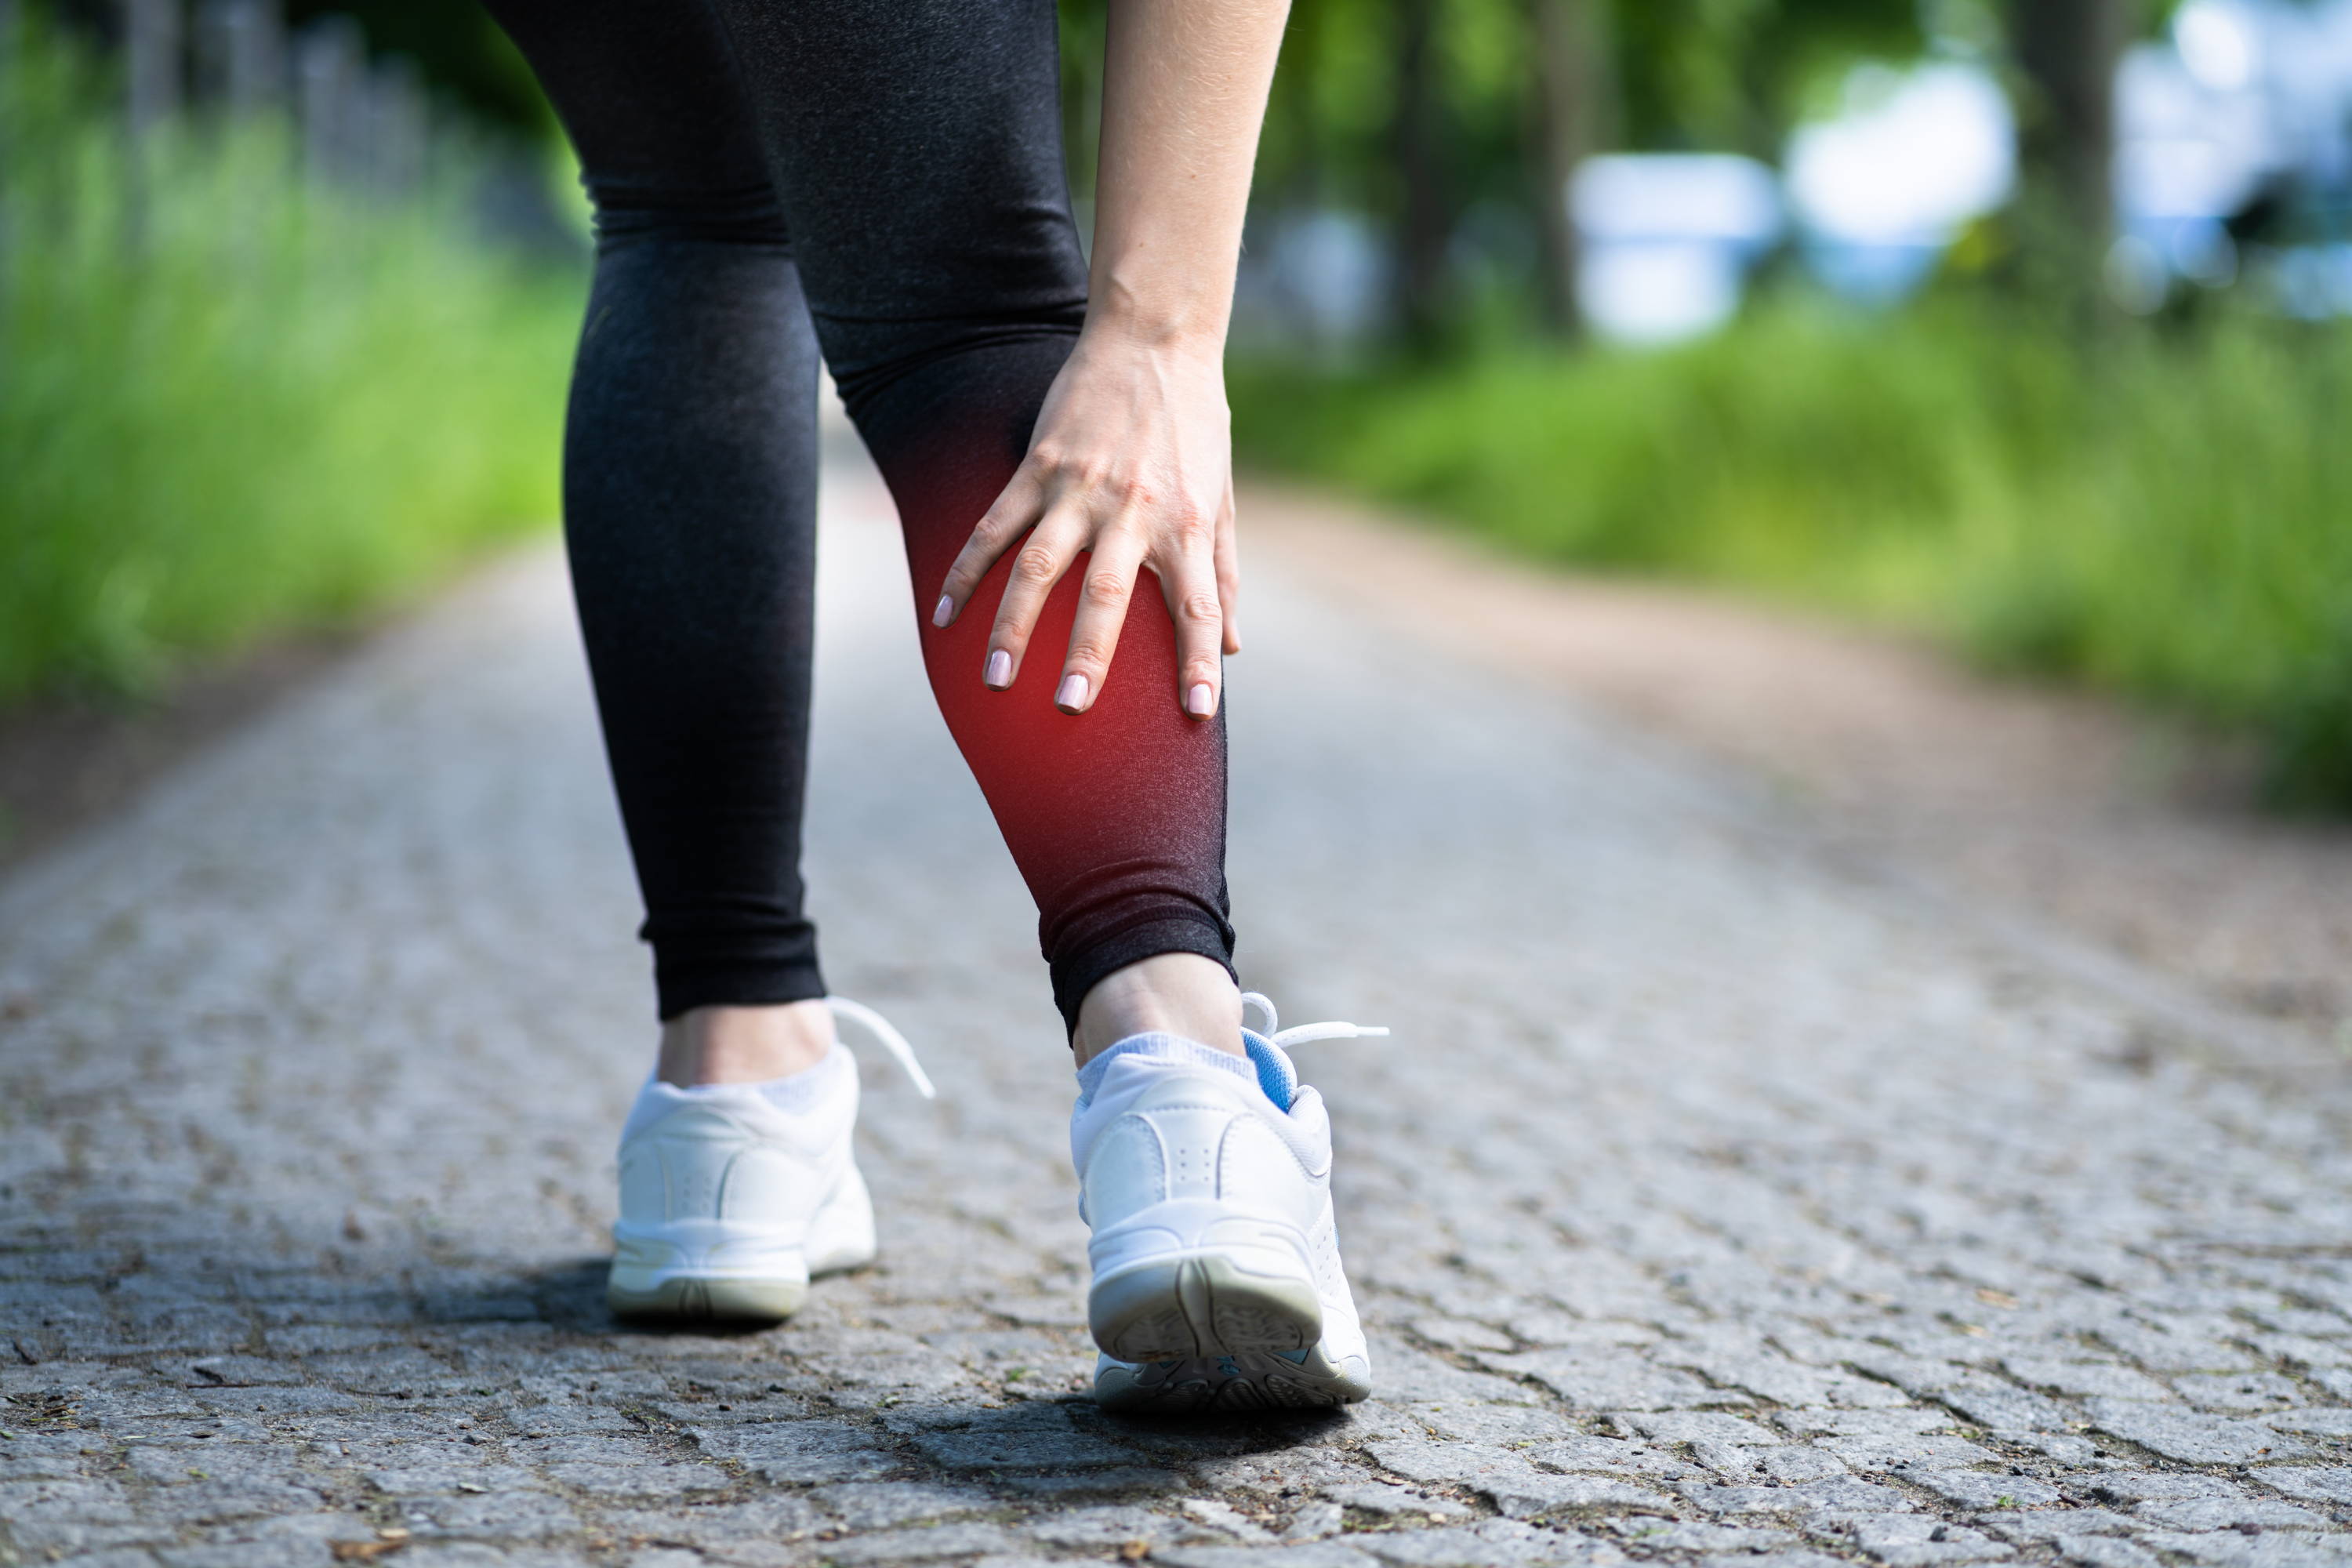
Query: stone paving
[{"x": 1712, "y": 1204}]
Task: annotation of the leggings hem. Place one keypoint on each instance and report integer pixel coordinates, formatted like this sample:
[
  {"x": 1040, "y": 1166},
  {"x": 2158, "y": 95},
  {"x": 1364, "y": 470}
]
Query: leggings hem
[
  {"x": 1076, "y": 976},
  {"x": 682, "y": 988}
]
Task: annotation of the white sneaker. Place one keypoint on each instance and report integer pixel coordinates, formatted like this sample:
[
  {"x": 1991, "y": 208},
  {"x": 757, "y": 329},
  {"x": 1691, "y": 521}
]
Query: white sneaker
[
  {"x": 733, "y": 1195},
  {"x": 1216, "y": 1263}
]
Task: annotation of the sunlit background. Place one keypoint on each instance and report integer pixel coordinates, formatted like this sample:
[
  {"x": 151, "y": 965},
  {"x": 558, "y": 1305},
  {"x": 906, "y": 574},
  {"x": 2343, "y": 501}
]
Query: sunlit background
[
  {"x": 2231, "y": 142},
  {"x": 2022, "y": 327}
]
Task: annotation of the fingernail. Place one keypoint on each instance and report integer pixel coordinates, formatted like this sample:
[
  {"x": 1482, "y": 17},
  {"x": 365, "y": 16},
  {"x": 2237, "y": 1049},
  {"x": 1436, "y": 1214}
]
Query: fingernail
[
  {"x": 943, "y": 612},
  {"x": 999, "y": 673},
  {"x": 1201, "y": 701},
  {"x": 1073, "y": 694}
]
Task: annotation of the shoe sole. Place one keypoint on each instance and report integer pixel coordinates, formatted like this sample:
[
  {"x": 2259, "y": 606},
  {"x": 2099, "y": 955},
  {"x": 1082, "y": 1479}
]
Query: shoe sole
[
  {"x": 1199, "y": 1308},
  {"x": 1230, "y": 1384},
  {"x": 692, "y": 1298},
  {"x": 840, "y": 1238}
]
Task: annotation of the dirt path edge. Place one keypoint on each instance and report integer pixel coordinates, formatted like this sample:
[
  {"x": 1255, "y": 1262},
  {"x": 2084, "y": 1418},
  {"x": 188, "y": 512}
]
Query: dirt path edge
[{"x": 2060, "y": 817}]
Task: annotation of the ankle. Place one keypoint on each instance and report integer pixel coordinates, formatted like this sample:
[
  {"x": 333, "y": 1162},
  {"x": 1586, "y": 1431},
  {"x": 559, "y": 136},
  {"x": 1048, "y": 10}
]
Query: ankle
[
  {"x": 743, "y": 1044},
  {"x": 1180, "y": 994}
]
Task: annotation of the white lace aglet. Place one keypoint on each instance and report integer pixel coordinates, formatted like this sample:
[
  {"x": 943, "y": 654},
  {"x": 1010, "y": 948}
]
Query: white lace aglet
[
  {"x": 1306, "y": 1033},
  {"x": 892, "y": 1041}
]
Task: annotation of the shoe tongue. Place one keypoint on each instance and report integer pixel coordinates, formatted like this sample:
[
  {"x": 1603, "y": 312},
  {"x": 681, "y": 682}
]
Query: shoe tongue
[{"x": 1276, "y": 1076}]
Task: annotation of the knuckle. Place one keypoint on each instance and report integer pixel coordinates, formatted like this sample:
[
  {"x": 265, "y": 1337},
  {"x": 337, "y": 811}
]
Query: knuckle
[
  {"x": 1070, "y": 467},
  {"x": 1200, "y": 609},
  {"x": 1104, "y": 590},
  {"x": 1089, "y": 654},
  {"x": 1034, "y": 567}
]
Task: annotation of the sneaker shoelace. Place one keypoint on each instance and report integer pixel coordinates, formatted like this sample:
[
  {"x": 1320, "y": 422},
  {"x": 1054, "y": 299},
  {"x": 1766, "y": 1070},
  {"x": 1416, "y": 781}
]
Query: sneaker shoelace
[
  {"x": 1269, "y": 1050},
  {"x": 895, "y": 1043}
]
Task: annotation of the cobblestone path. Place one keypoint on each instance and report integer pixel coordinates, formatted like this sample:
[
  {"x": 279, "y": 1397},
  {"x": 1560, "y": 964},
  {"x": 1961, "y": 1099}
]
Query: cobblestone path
[{"x": 1711, "y": 1204}]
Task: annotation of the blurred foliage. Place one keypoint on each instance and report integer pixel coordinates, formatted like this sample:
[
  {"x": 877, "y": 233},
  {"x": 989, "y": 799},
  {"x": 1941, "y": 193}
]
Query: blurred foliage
[
  {"x": 2157, "y": 510},
  {"x": 470, "y": 62},
  {"x": 236, "y": 404},
  {"x": 463, "y": 56},
  {"x": 1736, "y": 74},
  {"x": 216, "y": 425},
  {"x": 1716, "y": 74},
  {"x": 2164, "y": 516}
]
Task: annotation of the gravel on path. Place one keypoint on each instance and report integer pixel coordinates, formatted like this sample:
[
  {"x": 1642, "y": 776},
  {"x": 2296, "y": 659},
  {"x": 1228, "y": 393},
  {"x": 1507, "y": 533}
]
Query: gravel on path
[{"x": 1709, "y": 1205}]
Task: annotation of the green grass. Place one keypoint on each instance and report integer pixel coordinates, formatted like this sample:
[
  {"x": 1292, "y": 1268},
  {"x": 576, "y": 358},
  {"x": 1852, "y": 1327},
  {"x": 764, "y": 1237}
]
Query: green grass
[
  {"x": 231, "y": 406},
  {"x": 2168, "y": 515}
]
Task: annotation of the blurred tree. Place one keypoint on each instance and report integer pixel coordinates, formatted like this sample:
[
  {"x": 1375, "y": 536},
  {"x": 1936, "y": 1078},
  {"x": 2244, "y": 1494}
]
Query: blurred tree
[
  {"x": 461, "y": 53},
  {"x": 1733, "y": 75},
  {"x": 1712, "y": 73},
  {"x": 2065, "y": 53},
  {"x": 1424, "y": 216},
  {"x": 1575, "y": 112},
  {"x": 1456, "y": 125}
]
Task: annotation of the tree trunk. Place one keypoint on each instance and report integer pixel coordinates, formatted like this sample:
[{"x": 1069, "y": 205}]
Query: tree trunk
[
  {"x": 10, "y": 13},
  {"x": 152, "y": 48},
  {"x": 2066, "y": 51},
  {"x": 1424, "y": 221},
  {"x": 241, "y": 55},
  {"x": 1574, "y": 117},
  {"x": 329, "y": 76}
]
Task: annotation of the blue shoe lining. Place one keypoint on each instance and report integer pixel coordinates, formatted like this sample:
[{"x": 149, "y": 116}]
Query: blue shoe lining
[{"x": 1276, "y": 1076}]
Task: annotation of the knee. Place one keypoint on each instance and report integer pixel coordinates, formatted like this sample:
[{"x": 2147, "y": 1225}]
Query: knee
[
  {"x": 629, "y": 214},
  {"x": 912, "y": 388}
]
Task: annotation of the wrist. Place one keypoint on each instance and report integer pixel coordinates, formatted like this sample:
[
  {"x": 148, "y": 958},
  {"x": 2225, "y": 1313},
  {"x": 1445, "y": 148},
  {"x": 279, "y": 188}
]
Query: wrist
[{"x": 1161, "y": 320}]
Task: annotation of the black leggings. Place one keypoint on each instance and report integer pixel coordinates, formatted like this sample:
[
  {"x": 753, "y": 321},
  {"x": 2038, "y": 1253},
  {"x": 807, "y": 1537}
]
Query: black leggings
[{"x": 881, "y": 180}]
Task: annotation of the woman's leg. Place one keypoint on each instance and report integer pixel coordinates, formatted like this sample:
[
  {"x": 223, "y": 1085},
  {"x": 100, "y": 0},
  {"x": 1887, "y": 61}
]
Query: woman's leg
[
  {"x": 689, "y": 512},
  {"x": 917, "y": 146}
]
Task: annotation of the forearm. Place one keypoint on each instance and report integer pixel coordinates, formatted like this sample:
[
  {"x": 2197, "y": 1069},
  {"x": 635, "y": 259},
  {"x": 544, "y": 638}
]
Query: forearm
[
  {"x": 1130, "y": 463},
  {"x": 1185, "y": 89}
]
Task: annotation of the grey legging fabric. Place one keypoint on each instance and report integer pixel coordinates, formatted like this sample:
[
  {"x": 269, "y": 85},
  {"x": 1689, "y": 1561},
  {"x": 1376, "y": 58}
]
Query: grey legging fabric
[{"x": 881, "y": 180}]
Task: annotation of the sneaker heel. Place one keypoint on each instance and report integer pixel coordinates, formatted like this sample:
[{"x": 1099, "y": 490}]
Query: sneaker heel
[
  {"x": 696, "y": 1300},
  {"x": 1199, "y": 1306}
]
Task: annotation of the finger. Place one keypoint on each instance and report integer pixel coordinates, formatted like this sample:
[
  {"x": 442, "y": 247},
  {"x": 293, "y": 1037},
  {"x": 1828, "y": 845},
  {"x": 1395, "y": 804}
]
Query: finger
[
  {"x": 1189, "y": 580},
  {"x": 1037, "y": 565},
  {"x": 1016, "y": 507},
  {"x": 1103, "y": 596},
  {"x": 1229, "y": 571}
]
